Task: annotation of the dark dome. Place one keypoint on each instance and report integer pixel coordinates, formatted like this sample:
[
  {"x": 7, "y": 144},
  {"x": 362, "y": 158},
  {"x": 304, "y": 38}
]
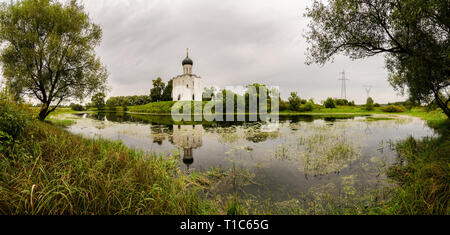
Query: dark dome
[
  {"x": 188, "y": 161},
  {"x": 187, "y": 60}
]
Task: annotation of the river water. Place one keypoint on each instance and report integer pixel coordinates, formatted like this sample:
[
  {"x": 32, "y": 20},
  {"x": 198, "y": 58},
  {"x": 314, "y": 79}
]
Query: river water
[{"x": 301, "y": 155}]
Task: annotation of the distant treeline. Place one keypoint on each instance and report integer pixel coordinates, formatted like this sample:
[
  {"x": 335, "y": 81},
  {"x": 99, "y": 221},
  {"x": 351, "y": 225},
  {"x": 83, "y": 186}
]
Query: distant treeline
[{"x": 128, "y": 100}]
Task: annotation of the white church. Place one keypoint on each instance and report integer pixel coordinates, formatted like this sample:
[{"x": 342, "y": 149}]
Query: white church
[{"x": 188, "y": 86}]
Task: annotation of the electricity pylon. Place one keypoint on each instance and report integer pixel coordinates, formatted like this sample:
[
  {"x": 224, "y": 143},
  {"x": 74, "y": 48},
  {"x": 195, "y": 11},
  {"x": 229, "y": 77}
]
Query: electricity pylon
[
  {"x": 343, "y": 85},
  {"x": 368, "y": 88}
]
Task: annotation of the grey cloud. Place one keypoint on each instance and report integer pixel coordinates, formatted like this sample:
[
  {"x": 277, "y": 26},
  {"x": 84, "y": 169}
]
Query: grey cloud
[{"x": 234, "y": 42}]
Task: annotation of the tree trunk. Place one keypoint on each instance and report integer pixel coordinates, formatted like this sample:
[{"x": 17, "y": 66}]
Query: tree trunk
[
  {"x": 442, "y": 105},
  {"x": 43, "y": 113}
]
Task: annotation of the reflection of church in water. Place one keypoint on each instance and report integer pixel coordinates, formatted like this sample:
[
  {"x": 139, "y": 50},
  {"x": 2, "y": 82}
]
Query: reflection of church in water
[{"x": 188, "y": 138}]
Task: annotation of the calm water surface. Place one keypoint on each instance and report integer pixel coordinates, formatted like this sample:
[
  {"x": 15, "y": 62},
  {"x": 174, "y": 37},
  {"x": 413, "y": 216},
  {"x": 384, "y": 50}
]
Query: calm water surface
[{"x": 303, "y": 155}]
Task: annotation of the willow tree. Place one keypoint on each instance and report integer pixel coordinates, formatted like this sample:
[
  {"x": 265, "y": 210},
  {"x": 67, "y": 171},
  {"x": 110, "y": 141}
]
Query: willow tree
[
  {"x": 413, "y": 35},
  {"x": 48, "y": 51}
]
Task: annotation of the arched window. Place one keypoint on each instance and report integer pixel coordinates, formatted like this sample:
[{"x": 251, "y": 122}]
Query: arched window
[
  {"x": 179, "y": 97},
  {"x": 187, "y": 86},
  {"x": 193, "y": 97}
]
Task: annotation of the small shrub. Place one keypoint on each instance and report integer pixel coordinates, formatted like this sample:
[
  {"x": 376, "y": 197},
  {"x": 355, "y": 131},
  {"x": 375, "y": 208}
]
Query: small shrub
[
  {"x": 306, "y": 107},
  {"x": 377, "y": 105},
  {"x": 76, "y": 107},
  {"x": 13, "y": 119},
  {"x": 369, "y": 104},
  {"x": 329, "y": 103},
  {"x": 341, "y": 102},
  {"x": 393, "y": 109}
]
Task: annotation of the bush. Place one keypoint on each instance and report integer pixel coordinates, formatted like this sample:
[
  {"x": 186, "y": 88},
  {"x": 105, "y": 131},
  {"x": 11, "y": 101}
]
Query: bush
[
  {"x": 283, "y": 105},
  {"x": 341, "y": 102},
  {"x": 351, "y": 103},
  {"x": 394, "y": 109},
  {"x": 369, "y": 104},
  {"x": 377, "y": 105},
  {"x": 329, "y": 103},
  {"x": 306, "y": 107},
  {"x": 13, "y": 120},
  {"x": 294, "y": 102},
  {"x": 76, "y": 107}
]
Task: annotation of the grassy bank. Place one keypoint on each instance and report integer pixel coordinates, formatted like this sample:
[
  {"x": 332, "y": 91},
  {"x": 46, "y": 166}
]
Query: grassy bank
[
  {"x": 165, "y": 107},
  {"x": 46, "y": 170},
  {"x": 422, "y": 173}
]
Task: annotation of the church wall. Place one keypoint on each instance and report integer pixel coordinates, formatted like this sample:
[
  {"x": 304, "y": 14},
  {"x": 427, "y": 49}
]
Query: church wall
[{"x": 186, "y": 86}]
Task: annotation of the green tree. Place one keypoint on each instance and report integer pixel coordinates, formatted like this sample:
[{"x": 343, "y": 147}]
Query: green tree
[
  {"x": 112, "y": 102},
  {"x": 157, "y": 91},
  {"x": 413, "y": 35},
  {"x": 99, "y": 100},
  {"x": 76, "y": 107},
  {"x": 294, "y": 101},
  {"x": 167, "y": 93},
  {"x": 369, "y": 104},
  {"x": 329, "y": 103},
  {"x": 124, "y": 104},
  {"x": 48, "y": 51}
]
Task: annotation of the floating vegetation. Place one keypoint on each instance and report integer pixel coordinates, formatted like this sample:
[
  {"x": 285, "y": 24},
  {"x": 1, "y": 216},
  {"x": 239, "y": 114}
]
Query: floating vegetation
[
  {"x": 253, "y": 171},
  {"x": 285, "y": 152},
  {"x": 323, "y": 158},
  {"x": 229, "y": 137}
]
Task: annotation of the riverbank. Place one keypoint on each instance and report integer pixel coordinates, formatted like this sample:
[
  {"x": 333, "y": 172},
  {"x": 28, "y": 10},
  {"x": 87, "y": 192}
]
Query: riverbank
[
  {"x": 422, "y": 173},
  {"x": 165, "y": 107},
  {"x": 49, "y": 171},
  {"x": 61, "y": 173}
]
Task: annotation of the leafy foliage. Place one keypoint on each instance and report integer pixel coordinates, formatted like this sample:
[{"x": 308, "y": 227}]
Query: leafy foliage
[
  {"x": 156, "y": 93},
  {"x": 369, "y": 104},
  {"x": 49, "y": 51},
  {"x": 99, "y": 100},
  {"x": 341, "y": 102},
  {"x": 76, "y": 107},
  {"x": 167, "y": 93},
  {"x": 294, "y": 102},
  {"x": 128, "y": 100},
  {"x": 329, "y": 103},
  {"x": 13, "y": 120},
  {"x": 393, "y": 109},
  {"x": 413, "y": 34}
]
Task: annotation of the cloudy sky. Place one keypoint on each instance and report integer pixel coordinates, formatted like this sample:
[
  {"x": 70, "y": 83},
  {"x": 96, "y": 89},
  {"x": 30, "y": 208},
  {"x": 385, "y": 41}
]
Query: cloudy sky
[{"x": 233, "y": 42}]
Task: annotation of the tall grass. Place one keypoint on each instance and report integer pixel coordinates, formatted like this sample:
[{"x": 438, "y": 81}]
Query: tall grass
[
  {"x": 422, "y": 173},
  {"x": 53, "y": 172}
]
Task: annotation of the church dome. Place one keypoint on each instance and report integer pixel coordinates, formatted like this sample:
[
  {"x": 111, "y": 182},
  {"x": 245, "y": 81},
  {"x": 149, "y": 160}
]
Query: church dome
[{"x": 188, "y": 61}]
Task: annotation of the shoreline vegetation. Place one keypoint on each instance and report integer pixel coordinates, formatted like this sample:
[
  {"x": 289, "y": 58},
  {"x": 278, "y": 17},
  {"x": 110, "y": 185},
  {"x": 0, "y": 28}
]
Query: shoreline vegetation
[
  {"x": 47, "y": 170},
  {"x": 165, "y": 107}
]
